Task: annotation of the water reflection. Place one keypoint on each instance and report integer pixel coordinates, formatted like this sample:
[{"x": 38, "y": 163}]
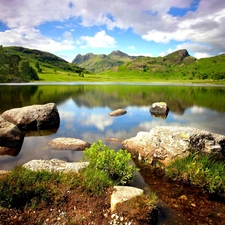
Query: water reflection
[{"x": 84, "y": 113}]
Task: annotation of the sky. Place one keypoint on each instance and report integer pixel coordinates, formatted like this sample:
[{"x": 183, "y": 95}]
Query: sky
[{"x": 136, "y": 27}]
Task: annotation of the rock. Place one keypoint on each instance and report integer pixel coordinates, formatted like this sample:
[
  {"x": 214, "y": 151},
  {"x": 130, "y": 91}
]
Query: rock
[
  {"x": 34, "y": 117},
  {"x": 183, "y": 198},
  {"x": 159, "y": 109},
  {"x": 55, "y": 165},
  {"x": 164, "y": 144},
  {"x": 123, "y": 193},
  {"x": 69, "y": 144},
  {"x": 11, "y": 138},
  {"x": 118, "y": 112}
]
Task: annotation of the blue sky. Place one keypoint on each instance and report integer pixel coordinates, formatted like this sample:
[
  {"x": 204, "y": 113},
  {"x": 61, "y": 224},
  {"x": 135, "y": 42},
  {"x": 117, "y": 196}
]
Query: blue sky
[{"x": 137, "y": 27}]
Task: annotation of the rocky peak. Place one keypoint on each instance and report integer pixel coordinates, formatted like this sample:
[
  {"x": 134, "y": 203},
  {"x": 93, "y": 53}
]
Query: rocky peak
[
  {"x": 118, "y": 53},
  {"x": 81, "y": 58},
  {"x": 177, "y": 56}
]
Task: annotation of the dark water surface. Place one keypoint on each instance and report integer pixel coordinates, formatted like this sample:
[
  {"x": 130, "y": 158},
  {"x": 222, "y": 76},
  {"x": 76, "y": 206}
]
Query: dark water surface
[{"x": 84, "y": 109}]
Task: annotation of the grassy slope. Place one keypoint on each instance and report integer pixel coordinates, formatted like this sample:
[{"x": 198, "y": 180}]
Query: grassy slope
[
  {"x": 170, "y": 68},
  {"x": 53, "y": 68}
]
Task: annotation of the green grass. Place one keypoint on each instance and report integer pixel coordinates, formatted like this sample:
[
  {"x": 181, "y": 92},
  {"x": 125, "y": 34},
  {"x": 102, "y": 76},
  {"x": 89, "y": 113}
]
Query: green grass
[
  {"x": 23, "y": 187},
  {"x": 199, "y": 170}
]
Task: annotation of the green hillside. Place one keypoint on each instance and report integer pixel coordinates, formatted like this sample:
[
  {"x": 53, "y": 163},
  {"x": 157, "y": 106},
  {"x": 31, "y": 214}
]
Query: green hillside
[
  {"x": 18, "y": 64},
  {"x": 178, "y": 65},
  {"x": 102, "y": 62}
]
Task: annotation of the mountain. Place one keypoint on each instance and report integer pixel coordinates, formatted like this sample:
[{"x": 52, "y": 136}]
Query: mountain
[
  {"x": 101, "y": 62},
  {"x": 176, "y": 65}
]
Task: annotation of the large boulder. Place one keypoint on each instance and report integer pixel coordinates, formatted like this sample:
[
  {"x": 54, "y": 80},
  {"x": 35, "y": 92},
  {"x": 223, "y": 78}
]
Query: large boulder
[
  {"x": 11, "y": 138},
  {"x": 166, "y": 143},
  {"x": 69, "y": 144},
  {"x": 34, "y": 117},
  {"x": 55, "y": 165}
]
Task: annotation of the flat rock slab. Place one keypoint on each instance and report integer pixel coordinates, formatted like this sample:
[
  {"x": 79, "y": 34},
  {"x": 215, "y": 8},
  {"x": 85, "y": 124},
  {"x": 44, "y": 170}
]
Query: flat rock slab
[
  {"x": 55, "y": 165},
  {"x": 118, "y": 112},
  {"x": 123, "y": 193},
  {"x": 69, "y": 144}
]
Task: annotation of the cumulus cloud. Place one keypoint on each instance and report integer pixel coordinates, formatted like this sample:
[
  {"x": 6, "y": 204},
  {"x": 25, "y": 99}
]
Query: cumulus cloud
[
  {"x": 100, "y": 40},
  {"x": 31, "y": 38},
  {"x": 150, "y": 19}
]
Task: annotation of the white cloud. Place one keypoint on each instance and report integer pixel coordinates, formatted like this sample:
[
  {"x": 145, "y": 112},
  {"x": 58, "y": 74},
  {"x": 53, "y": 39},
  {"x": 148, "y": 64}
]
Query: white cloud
[
  {"x": 100, "y": 40},
  {"x": 149, "y": 19},
  {"x": 200, "y": 55},
  {"x": 31, "y": 38}
]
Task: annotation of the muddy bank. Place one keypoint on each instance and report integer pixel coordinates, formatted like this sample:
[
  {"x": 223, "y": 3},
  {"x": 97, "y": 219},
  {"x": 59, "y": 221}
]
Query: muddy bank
[{"x": 182, "y": 204}]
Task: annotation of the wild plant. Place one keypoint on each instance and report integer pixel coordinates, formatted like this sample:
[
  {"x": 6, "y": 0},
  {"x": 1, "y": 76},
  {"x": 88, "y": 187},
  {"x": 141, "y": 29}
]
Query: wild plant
[{"x": 113, "y": 167}]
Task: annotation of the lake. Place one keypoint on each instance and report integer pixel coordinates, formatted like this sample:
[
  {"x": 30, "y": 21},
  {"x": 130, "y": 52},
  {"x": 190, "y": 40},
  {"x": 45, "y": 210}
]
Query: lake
[{"x": 84, "y": 109}]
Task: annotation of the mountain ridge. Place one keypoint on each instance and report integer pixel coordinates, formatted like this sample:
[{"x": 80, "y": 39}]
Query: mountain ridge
[{"x": 102, "y": 62}]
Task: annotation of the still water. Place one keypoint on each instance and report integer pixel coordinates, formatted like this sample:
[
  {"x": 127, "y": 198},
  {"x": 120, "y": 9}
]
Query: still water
[{"x": 84, "y": 109}]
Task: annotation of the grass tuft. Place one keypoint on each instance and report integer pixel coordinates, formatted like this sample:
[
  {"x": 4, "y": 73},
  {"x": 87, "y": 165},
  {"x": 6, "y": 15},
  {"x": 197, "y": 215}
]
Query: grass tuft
[{"x": 199, "y": 170}]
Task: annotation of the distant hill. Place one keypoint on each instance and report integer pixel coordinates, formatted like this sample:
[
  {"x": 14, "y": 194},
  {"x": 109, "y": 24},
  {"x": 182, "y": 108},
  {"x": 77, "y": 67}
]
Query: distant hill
[
  {"x": 177, "y": 65},
  {"x": 39, "y": 62},
  {"x": 98, "y": 63},
  {"x": 101, "y": 62}
]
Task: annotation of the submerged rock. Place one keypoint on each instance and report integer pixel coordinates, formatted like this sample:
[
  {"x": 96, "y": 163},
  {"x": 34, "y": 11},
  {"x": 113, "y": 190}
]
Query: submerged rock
[
  {"x": 34, "y": 117},
  {"x": 118, "y": 112},
  {"x": 69, "y": 144},
  {"x": 159, "y": 109},
  {"x": 164, "y": 144}
]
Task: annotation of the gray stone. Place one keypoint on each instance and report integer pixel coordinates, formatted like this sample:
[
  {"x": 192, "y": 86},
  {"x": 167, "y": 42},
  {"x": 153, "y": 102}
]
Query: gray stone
[
  {"x": 34, "y": 117},
  {"x": 69, "y": 144},
  {"x": 123, "y": 193},
  {"x": 118, "y": 112},
  {"x": 164, "y": 144},
  {"x": 159, "y": 109},
  {"x": 11, "y": 138},
  {"x": 55, "y": 165}
]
